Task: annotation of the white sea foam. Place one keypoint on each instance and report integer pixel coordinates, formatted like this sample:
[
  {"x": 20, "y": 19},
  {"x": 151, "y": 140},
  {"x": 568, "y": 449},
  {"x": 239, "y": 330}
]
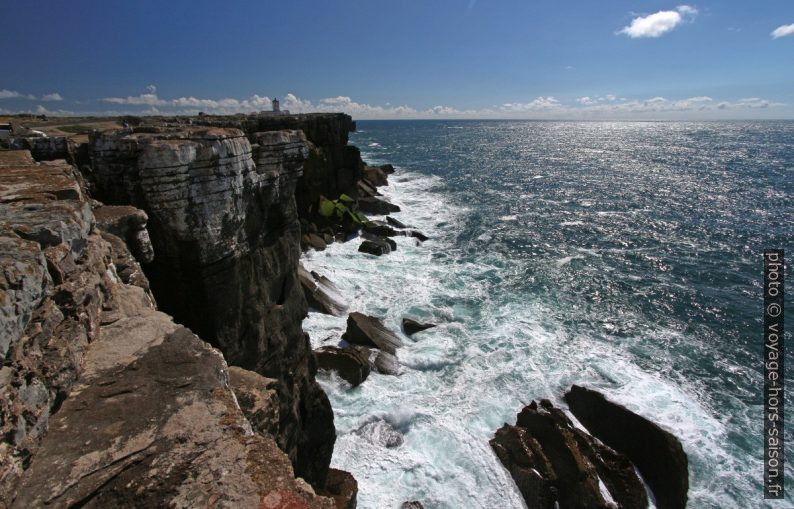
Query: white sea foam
[{"x": 490, "y": 355}]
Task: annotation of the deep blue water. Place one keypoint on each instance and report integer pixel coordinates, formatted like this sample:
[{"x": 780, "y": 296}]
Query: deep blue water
[{"x": 625, "y": 256}]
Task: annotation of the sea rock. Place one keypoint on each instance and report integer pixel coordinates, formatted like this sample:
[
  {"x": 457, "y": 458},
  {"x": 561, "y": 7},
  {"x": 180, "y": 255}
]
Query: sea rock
[
  {"x": 376, "y": 247},
  {"x": 366, "y": 189},
  {"x": 373, "y": 205},
  {"x": 411, "y": 326},
  {"x": 342, "y": 487},
  {"x": 223, "y": 223},
  {"x": 370, "y": 331},
  {"x": 658, "y": 454},
  {"x": 351, "y": 364},
  {"x": 379, "y": 228},
  {"x": 417, "y": 234},
  {"x": 378, "y": 238},
  {"x": 321, "y": 293},
  {"x": 375, "y": 176},
  {"x": 386, "y": 363},
  {"x": 317, "y": 242},
  {"x": 552, "y": 462},
  {"x": 388, "y": 169},
  {"x": 395, "y": 222},
  {"x": 380, "y": 432},
  {"x": 413, "y": 504}
]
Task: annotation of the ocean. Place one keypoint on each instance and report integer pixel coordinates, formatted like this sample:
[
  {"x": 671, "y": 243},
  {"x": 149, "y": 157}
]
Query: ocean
[{"x": 622, "y": 256}]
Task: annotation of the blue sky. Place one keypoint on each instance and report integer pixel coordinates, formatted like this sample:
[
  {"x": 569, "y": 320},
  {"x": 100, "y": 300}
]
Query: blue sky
[{"x": 402, "y": 59}]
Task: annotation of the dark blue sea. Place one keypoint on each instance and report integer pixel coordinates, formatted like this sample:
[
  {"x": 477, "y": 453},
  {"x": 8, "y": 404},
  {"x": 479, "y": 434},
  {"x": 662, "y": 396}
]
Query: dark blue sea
[{"x": 623, "y": 256}]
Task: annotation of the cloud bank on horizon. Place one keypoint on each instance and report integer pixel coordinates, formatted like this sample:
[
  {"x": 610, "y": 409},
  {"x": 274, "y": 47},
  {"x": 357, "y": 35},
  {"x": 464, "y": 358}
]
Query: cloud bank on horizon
[{"x": 596, "y": 106}]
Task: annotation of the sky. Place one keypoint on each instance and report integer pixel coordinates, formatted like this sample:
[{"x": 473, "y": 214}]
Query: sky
[{"x": 541, "y": 59}]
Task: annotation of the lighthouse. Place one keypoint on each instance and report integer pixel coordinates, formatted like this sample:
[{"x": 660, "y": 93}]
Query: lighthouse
[{"x": 275, "y": 106}]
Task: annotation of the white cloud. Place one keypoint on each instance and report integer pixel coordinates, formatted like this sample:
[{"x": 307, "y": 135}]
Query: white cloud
[
  {"x": 13, "y": 94},
  {"x": 538, "y": 104},
  {"x": 657, "y": 24},
  {"x": 55, "y": 96},
  {"x": 782, "y": 31}
]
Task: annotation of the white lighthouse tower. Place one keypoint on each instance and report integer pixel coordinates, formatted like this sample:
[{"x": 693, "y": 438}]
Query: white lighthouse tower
[{"x": 275, "y": 106}]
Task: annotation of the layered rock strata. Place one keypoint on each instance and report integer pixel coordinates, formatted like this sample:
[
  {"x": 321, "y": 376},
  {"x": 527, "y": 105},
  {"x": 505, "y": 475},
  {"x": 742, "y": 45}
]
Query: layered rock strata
[
  {"x": 105, "y": 400},
  {"x": 224, "y": 226},
  {"x": 556, "y": 465}
]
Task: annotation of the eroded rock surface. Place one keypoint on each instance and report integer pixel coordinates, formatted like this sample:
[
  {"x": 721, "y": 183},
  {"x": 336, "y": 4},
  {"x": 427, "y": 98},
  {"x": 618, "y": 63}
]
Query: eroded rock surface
[
  {"x": 224, "y": 226},
  {"x": 370, "y": 331},
  {"x": 105, "y": 401},
  {"x": 552, "y": 462},
  {"x": 657, "y": 453}
]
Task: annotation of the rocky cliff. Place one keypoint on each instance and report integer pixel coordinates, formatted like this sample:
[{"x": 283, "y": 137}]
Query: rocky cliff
[
  {"x": 105, "y": 400},
  {"x": 225, "y": 231}
]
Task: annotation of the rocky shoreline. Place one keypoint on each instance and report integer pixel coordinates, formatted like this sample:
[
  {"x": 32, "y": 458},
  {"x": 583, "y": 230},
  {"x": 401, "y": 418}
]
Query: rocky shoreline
[{"x": 153, "y": 351}]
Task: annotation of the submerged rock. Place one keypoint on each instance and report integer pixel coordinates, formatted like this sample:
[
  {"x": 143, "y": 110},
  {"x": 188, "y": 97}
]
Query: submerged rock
[
  {"x": 375, "y": 247},
  {"x": 417, "y": 234},
  {"x": 413, "y": 504},
  {"x": 380, "y": 432},
  {"x": 386, "y": 364},
  {"x": 373, "y": 205},
  {"x": 370, "y": 331},
  {"x": 321, "y": 293},
  {"x": 552, "y": 462},
  {"x": 411, "y": 326},
  {"x": 657, "y": 453},
  {"x": 351, "y": 364}
]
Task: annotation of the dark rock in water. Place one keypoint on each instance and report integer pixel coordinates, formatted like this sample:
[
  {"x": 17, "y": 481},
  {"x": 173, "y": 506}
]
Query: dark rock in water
[
  {"x": 369, "y": 331},
  {"x": 388, "y": 169},
  {"x": 657, "y": 453},
  {"x": 386, "y": 364},
  {"x": 376, "y": 247},
  {"x": 411, "y": 326},
  {"x": 317, "y": 242},
  {"x": 373, "y": 205},
  {"x": 395, "y": 222},
  {"x": 381, "y": 433},
  {"x": 377, "y": 238},
  {"x": 350, "y": 363},
  {"x": 342, "y": 487},
  {"x": 321, "y": 293},
  {"x": 419, "y": 235},
  {"x": 258, "y": 399},
  {"x": 552, "y": 462},
  {"x": 413, "y": 504},
  {"x": 379, "y": 228},
  {"x": 375, "y": 176}
]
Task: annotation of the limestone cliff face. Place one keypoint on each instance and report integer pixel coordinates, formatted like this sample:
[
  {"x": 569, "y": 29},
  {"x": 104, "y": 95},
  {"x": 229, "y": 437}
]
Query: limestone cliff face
[
  {"x": 332, "y": 168},
  {"x": 105, "y": 401},
  {"x": 223, "y": 223}
]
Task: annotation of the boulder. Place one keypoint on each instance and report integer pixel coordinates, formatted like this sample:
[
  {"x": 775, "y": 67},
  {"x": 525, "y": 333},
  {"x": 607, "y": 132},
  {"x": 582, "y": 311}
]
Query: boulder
[
  {"x": 395, "y": 222},
  {"x": 342, "y": 487},
  {"x": 375, "y": 176},
  {"x": 554, "y": 463},
  {"x": 411, "y": 326},
  {"x": 413, "y": 504},
  {"x": 370, "y": 331},
  {"x": 375, "y": 247},
  {"x": 379, "y": 228},
  {"x": 317, "y": 242},
  {"x": 366, "y": 189},
  {"x": 378, "y": 238},
  {"x": 386, "y": 364},
  {"x": 657, "y": 453},
  {"x": 388, "y": 169},
  {"x": 373, "y": 205},
  {"x": 321, "y": 293},
  {"x": 351, "y": 364}
]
